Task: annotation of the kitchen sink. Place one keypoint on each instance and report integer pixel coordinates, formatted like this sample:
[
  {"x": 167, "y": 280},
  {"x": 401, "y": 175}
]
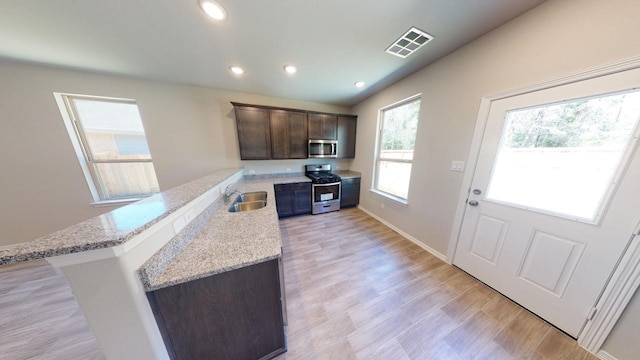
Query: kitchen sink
[
  {"x": 249, "y": 201},
  {"x": 251, "y": 196},
  {"x": 247, "y": 206}
]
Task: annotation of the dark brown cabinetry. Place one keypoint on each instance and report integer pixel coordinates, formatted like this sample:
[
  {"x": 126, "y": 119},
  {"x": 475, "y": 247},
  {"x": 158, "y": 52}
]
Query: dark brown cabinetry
[
  {"x": 267, "y": 132},
  {"x": 322, "y": 126},
  {"x": 350, "y": 192},
  {"x": 346, "y": 137},
  {"x": 254, "y": 134},
  {"x": 288, "y": 134},
  {"x": 293, "y": 199},
  {"x": 232, "y": 315}
]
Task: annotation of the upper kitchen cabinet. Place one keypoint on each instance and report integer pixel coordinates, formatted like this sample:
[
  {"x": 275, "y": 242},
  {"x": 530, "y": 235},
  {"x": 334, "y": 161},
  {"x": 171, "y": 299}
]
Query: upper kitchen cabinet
[
  {"x": 288, "y": 134},
  {"x": 347, "y": 136},
  {"x": 322, "y": 126},
  {"x": 254, "y": 134},
  {"x": 269, "y": 132}
]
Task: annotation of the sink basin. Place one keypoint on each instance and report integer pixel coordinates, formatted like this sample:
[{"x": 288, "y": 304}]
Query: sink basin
[
  {"x": 247, "y": 206},
  {"x": 251, "y": 196}
]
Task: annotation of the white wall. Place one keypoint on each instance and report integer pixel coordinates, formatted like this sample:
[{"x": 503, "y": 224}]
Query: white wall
[
  {"x": 191, "y": 132},
  {"x": 555, "y": 38},
  {"x": 622, "y": 343}
]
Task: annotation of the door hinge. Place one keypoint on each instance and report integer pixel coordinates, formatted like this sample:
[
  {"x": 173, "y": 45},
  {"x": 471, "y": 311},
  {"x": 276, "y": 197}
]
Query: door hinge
[{"x": 592, "y": 313}]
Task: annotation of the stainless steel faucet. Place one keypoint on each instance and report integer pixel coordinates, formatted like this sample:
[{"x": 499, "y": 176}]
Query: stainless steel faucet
[{"x": 228, "y": 192}]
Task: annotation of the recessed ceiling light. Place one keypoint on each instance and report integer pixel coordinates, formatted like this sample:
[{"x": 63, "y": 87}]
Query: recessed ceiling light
[
  {"x": 290, "y": 69},
  {"x": 213, "y": 9},
  {"x": 359, "y": 84},
  {"x": 236, "y": 70},
  {"x": 409, "y": 43}
]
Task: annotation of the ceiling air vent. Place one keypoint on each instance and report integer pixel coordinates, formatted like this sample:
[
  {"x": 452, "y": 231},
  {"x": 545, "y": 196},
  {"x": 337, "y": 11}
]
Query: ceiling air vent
[{"x": 408, "y": 43}]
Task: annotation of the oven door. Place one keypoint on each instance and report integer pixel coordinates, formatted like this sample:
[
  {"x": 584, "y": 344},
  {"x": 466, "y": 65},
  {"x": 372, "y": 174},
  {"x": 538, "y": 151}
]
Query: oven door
[
  {"x": 326, "y": 192},
  {"x": 326, "y": 198}
]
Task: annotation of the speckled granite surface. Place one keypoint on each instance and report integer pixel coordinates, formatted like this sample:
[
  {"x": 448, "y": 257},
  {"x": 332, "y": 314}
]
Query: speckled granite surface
[
  {"x": 348, "y": 174},
  {"x": 114, "y": 227},
  {"x": 153, "y": 267},
  {"x": 273, "y": 176},
  {"x": 228, "y": 240}
]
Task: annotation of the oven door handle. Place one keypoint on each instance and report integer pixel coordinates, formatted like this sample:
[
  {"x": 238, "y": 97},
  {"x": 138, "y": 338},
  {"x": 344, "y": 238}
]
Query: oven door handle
[{"x": 330, "y": 184}]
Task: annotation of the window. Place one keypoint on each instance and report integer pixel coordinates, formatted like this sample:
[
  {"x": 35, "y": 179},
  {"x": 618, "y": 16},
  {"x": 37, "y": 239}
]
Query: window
[
  {"x": 111, "y": 146},
  {"x": 396, "y": 140},
  {"x": 562, "y": 157}
]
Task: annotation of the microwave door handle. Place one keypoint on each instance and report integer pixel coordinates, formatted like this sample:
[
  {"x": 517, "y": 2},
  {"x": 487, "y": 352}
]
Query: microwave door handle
[{"x": 334, "y": 150}]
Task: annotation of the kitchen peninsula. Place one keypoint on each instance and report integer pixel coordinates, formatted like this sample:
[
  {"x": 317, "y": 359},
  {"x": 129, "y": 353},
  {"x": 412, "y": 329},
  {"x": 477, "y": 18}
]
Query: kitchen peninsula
[{"x": 181, "y": 236}]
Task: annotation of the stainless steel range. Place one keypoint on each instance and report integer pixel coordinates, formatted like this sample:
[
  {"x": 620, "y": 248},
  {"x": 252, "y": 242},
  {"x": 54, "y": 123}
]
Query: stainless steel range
[{"x": 326, "y": 188}]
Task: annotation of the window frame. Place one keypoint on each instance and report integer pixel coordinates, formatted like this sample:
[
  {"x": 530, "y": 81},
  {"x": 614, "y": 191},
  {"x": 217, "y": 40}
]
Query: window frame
[
  {"x": 377, "y": 156},
  {"x": 80, "y": 143}
]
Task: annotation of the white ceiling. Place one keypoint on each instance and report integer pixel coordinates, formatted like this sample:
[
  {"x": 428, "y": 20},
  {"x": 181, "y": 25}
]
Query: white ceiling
[{"x": 334, "y": 43}]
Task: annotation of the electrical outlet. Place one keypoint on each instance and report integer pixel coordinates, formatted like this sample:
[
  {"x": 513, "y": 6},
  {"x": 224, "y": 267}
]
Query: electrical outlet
[
  {"x": 382, "y": 206},
  {"x": 179, "y": 224},
  {"x": 190, "y": 215}
]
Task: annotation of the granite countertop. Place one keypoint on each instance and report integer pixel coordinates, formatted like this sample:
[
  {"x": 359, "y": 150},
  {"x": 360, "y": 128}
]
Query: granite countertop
[
  {"x": 115, "y": 227},
  {"x": 348, "y": 174},
  {"x": 227, "y": 241}
]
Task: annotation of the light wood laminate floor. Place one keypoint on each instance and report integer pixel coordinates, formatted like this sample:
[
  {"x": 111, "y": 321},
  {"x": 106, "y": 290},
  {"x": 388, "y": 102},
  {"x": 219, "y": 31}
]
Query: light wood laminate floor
[
  {"x": 358, "y": 290},
  {"x": 39, "y": 317},
  {"x": 355, "y": 290}
]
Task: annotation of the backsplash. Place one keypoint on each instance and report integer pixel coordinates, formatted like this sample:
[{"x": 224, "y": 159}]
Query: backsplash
[{"x": 293, "y": 167}]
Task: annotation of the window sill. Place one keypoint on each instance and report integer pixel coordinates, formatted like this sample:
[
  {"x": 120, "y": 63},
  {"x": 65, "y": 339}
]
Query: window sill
[
  {"x": 117, "y": 202},
  {"x": 399, "y": 200}
]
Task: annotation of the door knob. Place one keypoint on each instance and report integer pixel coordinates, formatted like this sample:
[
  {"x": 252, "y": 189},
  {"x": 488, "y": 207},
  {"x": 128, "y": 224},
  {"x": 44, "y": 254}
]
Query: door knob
[{"x": 473, "y": 203}]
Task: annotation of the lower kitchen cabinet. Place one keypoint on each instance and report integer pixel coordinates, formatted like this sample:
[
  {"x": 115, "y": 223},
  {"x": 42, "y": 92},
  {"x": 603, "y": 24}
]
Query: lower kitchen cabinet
[
  {"x": 350, "y": 192},
  {"x": 293, "y": 199},
  {"x": 232, "y": 315}
]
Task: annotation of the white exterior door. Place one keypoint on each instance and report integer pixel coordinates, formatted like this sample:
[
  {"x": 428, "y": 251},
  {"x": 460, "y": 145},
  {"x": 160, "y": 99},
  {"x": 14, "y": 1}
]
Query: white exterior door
[{"x": 555, "y": 197}]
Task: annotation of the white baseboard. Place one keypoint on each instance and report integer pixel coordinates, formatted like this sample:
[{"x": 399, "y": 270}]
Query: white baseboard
[
  {"x": 605, "y": 355},
  {"x": 405, "y": 235}
]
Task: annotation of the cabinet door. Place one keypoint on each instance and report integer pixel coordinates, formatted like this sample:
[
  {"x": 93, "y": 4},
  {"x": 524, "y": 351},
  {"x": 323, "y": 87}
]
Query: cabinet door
[
  {"x": 322, "y": 126},
  {"x": 350, "y": 192},
  {"x": 284, "y": 200},
  {"x": 280, "y": 143},
  {"x": 302, "y": 198},
  {"x": 233, "y": 315},
  {"x": 288, "y": 134},
  {"x": 254, "y": 135},
  {"x": 293, "y": 199},
  {"x": 346, "y": 137},
  {"x": 298, "y": 135}
]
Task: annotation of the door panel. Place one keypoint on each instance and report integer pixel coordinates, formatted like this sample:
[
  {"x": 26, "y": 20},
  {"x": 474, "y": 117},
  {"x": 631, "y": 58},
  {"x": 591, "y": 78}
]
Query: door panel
[
  {"x": 549, "y": 262},
  {"x": 489, "y": 237},
  {"x": 547, "y": 234}
]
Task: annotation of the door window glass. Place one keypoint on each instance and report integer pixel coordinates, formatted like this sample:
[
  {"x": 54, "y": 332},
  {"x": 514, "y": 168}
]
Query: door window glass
[{"x": 563, "y": 158}]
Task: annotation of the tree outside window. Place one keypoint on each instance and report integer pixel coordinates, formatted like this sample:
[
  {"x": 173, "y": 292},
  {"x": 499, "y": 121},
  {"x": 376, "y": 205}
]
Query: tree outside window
[{"x": 396, "y": 141}]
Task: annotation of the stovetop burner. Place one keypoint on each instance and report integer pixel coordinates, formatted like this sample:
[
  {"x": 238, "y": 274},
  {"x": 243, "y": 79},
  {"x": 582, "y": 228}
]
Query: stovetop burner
[{"x": 321, "y": 174}]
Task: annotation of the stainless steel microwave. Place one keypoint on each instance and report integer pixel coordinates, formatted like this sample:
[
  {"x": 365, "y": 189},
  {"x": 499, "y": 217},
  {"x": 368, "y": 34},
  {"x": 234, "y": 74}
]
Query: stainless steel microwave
[{"x": 323, "y": 148}]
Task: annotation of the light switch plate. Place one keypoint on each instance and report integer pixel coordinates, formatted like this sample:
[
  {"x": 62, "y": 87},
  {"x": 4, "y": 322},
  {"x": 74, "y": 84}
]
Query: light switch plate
[{"x": 457, "y": 165}]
